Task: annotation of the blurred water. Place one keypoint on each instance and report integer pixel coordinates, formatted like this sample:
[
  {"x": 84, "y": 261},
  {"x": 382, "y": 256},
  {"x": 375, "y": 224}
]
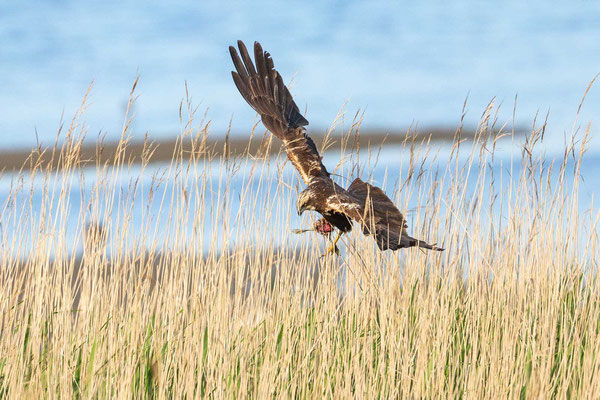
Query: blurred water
[
  {"x": 253, "y": 203},
  {"x": 405, "y": 62}
]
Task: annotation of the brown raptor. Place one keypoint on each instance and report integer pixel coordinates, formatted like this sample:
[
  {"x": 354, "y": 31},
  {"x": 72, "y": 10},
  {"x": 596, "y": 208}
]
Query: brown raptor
[{"x": 263, "y": 88}]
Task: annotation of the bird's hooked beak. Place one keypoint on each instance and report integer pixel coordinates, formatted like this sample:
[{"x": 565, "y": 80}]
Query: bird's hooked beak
[{"x": 302, "y": 208}]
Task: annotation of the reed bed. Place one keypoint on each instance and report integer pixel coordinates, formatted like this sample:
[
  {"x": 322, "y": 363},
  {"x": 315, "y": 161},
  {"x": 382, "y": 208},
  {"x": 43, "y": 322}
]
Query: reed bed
[{"x": 190, "y": 283}]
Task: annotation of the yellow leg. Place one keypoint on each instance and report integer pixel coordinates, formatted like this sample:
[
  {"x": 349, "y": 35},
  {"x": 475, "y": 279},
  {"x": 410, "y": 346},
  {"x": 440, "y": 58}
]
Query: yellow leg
[{"x": 333, "y": 248}]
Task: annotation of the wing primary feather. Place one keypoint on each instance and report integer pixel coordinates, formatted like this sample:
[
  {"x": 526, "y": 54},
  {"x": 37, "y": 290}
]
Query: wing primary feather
[
  {"x": 275, "y": 91},
  {"x": 239, "y": 66},
  {"x": 270, "y": 64},
  {"x": 281, "y": 99},
  {"x": 243, "y": 89},
  {"x": 246, "y": 58},
  {"x": 259, "y": 58}
]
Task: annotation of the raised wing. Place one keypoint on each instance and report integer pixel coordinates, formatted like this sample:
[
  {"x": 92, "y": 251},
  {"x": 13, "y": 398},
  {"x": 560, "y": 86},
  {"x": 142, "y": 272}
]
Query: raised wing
[
  {"x": 263, "y": 88},
  {"x": 379, "y": 217}
]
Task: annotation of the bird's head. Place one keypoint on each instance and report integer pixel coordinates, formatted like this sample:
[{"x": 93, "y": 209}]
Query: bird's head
[{"x": 306, "y": 201}]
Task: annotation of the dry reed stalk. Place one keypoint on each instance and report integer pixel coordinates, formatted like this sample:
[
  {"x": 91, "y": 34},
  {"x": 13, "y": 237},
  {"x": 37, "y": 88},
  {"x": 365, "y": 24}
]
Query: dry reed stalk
[{"x": 183, "y": 288}]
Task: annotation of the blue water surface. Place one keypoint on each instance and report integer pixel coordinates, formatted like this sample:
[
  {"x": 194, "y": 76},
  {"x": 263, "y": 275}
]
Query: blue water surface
[{"x": 404, "y": 62}]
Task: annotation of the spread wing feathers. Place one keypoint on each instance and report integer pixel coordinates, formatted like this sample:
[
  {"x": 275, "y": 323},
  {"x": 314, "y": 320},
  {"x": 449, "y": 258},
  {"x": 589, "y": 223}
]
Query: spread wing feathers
[
  {"x": 379, "y": 217},
  {"x": 264, "y": 90}
]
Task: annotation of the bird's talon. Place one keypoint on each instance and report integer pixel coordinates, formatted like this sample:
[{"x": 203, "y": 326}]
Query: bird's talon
[{"x": 331, "y": 250}]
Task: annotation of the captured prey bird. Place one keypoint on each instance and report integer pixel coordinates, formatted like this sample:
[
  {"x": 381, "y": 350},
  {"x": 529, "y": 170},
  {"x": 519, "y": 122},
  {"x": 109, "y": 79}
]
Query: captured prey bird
[{"x": 263, "y": 88}]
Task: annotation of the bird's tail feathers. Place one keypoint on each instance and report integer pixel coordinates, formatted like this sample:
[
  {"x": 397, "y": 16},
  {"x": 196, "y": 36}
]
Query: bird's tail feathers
[{"x": 412, "y": 242}]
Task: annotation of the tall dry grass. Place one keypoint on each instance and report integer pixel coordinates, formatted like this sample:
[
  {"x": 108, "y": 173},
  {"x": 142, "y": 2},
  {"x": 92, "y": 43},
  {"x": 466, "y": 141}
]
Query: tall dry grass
[{"x": 194, "y": 297}]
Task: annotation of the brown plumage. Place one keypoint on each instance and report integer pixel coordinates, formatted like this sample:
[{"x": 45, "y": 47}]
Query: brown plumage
[{"x": 263, "y": 88}]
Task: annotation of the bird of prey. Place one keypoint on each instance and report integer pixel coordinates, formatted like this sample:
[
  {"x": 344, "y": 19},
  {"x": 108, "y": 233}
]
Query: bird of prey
[{"x": 263, "y": 88}]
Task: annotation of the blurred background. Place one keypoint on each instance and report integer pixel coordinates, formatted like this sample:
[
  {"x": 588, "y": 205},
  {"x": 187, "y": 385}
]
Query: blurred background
[
  {"x": 405, "y": 65},
  {"x": 409, "y": 63}
]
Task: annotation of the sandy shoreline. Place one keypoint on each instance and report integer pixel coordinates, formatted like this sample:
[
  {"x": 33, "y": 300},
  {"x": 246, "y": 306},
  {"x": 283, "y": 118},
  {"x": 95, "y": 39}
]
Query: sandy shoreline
[{"x": 214, "y": 145}]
